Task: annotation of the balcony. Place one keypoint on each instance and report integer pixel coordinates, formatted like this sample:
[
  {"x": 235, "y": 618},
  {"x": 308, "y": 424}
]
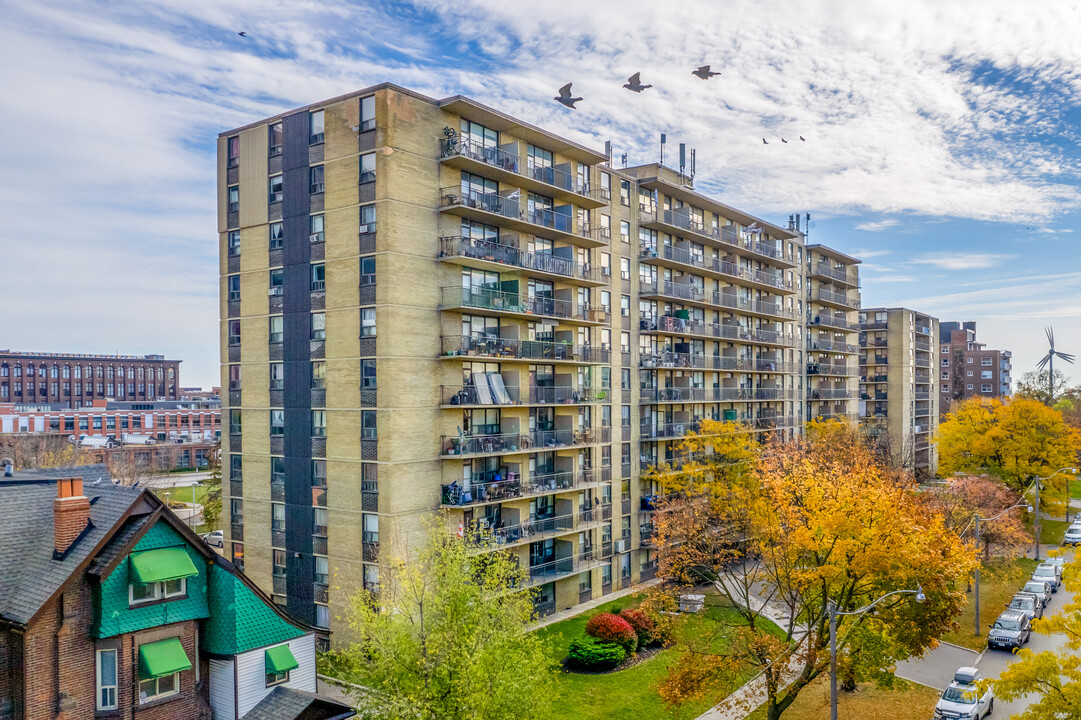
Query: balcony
[
  {"x": 469, "y": 395},
  {"x": 564, "y": 567},
  {"x": 829, "y": 297},
  {"x": 512, "y": 487},
  {"x": 667, "y": 324},
  {"x": 681, "y": 223},
  {"x": 830, "y": 345},
  {"x": 840, "y": 323},
  {"x": 713, "y": 362},
  {"x": 533, "y": 441},
  {"x": 497, "y": 256},
  {"x": 483, "y": 534},
  {"x": 694, "y": 294},
  {"x": 665, "y": 431},
  {"x": 873, "y": 342},
  {"x": 830, "y": 369},
  {"x": 830, "y": 394},
  {"x": 499, "y": 163},
  {"x": 828, "y": 415},
  {"x": 836, "y": 274},
  {"x": 922, "y": 362},
  {"x": 712, "y": 395},
  {"x": 512, "y": 211},
  {"x": 531, "y": 350},
  {"x": 503, "y": 302},
  {"x": 684, "y": 259}
]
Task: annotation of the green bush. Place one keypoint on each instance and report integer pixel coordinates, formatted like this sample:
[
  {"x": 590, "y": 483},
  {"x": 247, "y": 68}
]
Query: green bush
[
  {"x": 611, "y": 628},
  {"x": 588, "y": 653}
]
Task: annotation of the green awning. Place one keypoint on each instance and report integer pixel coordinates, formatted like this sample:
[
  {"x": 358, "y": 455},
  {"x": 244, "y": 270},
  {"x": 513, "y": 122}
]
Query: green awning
[
  {"x": 162, "y": 658},
  {"x": 169, "y": 563},
  {"x": 280, "y": 659}
]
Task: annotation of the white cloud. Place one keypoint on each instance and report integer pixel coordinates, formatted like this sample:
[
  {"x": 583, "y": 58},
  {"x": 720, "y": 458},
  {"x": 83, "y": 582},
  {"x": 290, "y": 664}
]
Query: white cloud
[
  {"x": 961, "y": 261},
  {"x": 878, "y": 226}
]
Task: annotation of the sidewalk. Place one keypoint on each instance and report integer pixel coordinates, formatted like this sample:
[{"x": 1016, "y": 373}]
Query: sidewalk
[{"x": 594, "y": 603}]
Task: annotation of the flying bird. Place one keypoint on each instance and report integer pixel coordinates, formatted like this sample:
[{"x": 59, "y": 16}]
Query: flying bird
[
  {"x": 784, "y": 141},
  {"x": 704, "y": 72},
  {"x": 242, "y": 34},
  {"x": 634, "y": 83},
  {"x": 564, "y": 97},
  {"x": 765, "y": 142},
  {"x": 801, "y": 139}
]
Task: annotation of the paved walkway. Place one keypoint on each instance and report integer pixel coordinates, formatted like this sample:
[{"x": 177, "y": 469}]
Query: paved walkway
[{"x": 591, "y": 604}]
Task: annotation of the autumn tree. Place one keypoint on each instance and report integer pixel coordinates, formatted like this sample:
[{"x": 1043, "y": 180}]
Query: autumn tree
[
  {"x": 1034, "y": 385},
  {"x": 212, "y": 499},
  {"x": 42, "y": 450},
  {"x": 966, "y": 496},
  {"x": 1014, "y": 440},
  {"x": 814, "y": 520},
  {"x": 1053, "y": 676},
  {"x": 445, "y": 638}
]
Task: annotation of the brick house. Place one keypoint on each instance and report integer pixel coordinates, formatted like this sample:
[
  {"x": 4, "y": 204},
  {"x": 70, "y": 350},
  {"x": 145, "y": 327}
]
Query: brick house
[{"x": 121, "y": 611}]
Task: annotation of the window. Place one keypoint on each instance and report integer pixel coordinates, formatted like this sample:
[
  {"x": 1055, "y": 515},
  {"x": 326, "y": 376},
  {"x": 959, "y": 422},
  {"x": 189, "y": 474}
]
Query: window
[
  {"x": 277, "y": 470},
  {"x": 370, "y": 531},
  {"x": 319, "y": 277},
  {"x": 945, "y": 374},
  {"x": 985, "y": 361},
  {"x": 233, "y": 198},
  {"x": 985, "y": 374},
  {"x": 969, "y": 373},
  {"x": 367, "y": 271},
  {"x": 625, "y": 305},
  {"x": 315, "y": 179},
  {"x": 234, "y": 336},
  {"x": 277, "y": 422},
  {"x": 969, "y": 359},
  {"x": 367, "y": 374},
  {"x": 277, "y": 235},
  {"x": 236, "y": 467},
  {"x": 237, "y": 551},
  {"x": 279, "y": 562},
  {"x": 625, "y": 415},
  {"x": 316, "y": 229},
  {"x": 106, "y": 679},
  {"x": 322, "y": 616},
  {"x": 274, "y": 139},
  {"x": 319, "y": 423},
  {"x": 234, "y": 287},
  {"x": 277, "y": 281},
  {"x": 368, "y": 429},
  {"x": 367, "y": 168},
  {"x": 367, "y": 322},
  {"x": 234, "y": 242},
  {"x": 968, "y": 387},
  {"x": 234, "y": 377},
  {"x": 165, "y": 590},
  {"x": 625, "y": 192},
  {"x": 985, "y": 387},
  {"x": 367, "y": 113},
  {"x": 275, "y": 189},
  {"x": 233, "y": 145},
  {"x": 234, "y": 422},
  {"x": 625, "y": 268},
  {"x": 277, "y": 328},
  {"x": 159, "y": 687},
  {"x": 277, "y": 376},
  {"x": 606, "y": 186},
  {"x": 624, "y": 231},
  {"x": 277, "y": 516},
  {"x": 319, "y": 326},
  {"x": 315, "y": 127},
  {"x": 319, "y": 374},
  {"x": 367, "y": 219},
  {"x": 319, "y": 527},
  {"x": 319, "y": 473},
  {"x": 945, "y": 362}
]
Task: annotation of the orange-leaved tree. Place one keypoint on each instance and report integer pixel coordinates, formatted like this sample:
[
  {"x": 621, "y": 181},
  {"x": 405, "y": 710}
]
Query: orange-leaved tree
[{"x": 815, "y": 520}]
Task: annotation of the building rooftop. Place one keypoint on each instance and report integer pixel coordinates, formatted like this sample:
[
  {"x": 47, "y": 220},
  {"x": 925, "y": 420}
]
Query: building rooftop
[
  {"x": 142, "y": 358},
  {"x": 834, "y": 253}
]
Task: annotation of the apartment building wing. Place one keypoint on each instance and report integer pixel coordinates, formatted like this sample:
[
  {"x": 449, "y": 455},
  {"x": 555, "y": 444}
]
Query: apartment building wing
[
  {"x": 832, "y": 299},
  {"x": 969, "y": 368},
  {"x": 121, "y": 611},
  {"x": 428, "y": 303},
  {"x": 899, "y": 385}
]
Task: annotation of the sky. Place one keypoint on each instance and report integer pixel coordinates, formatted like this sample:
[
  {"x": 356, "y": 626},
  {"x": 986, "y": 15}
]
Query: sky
[{"x": 941, "y": 138}]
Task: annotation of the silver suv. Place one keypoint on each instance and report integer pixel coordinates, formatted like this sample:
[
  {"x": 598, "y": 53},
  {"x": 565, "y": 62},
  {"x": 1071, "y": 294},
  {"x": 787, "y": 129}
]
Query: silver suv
[
  {"x": 1049, "y": 574},
  {"x": 1027, "y": 603},
  {"x": 963, "y": 699}
]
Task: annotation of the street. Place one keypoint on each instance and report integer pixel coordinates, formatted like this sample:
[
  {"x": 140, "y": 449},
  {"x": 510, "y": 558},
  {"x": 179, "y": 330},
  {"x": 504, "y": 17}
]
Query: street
[{"x": 936, "y": 668}]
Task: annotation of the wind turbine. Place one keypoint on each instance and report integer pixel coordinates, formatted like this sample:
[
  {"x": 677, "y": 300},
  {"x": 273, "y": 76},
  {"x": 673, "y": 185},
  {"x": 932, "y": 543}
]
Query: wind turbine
[{"x": 1049, "y": 361}]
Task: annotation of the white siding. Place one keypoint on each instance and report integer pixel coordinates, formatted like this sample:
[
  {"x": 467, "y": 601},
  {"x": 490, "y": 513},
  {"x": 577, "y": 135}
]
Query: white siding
[
  {"x": 251, "y": 672},
  {"x": 222, "y": 693}
]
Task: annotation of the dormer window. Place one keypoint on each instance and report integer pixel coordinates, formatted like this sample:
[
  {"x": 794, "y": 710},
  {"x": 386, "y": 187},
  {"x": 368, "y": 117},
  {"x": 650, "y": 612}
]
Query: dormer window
[
  {"x": 278, "y": 661},
  {"x": 159, "y": 575}
]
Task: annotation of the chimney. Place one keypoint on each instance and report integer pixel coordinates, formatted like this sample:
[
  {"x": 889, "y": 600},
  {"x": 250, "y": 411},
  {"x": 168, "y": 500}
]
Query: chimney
[{"x": 71, "y": 514}]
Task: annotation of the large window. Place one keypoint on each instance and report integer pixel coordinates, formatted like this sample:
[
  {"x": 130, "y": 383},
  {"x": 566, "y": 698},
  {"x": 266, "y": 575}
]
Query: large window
[
  {"x": 367, "y": 322},
  {"x": 274, "y": 139},
  {"x": 275, "y": 189},
  {"x": 367, "y": 374},
  {"x": 319, "y": 374},
  {"x": 234, "y": 151},
  {"x": 234, "y": 242},
  {"x": 277, "y": 328},
  {"x": 234, "y": 422},
  {"x": 159, "y": 687},
  {"x": 319, "y": 423},
  {"x": 277, "y": 516},
  {"x": 234, "y": 287},
  {"x": 316, "y": 127},
  {"x": 368, "y": 428},
  {"x": 277, "y": 422},
  {"x": 315, "y": 179},
  {"x": 367, "y": 219},
  {"x": 233, "y": 196},
  {"x": 316, "y": 228},
  {"x": 277, "y": 235},
  {"x": 370, "y": 532},
  {"x": 277, "y": 376},
  {"x": 367, "y": 270},
  {"x": 476, "y": 135},
  {"x": 166, "y": 590},
  {"x": 367, "y": 168},
  {"x": 277, "y": 281},
  {"x": 319, "y": 527},
  {"x": 319, "y": 277},
  {"x": 319, "y": 326},
  {"x": 106, "y": 679},
  {"x": 367, "y": 113}
]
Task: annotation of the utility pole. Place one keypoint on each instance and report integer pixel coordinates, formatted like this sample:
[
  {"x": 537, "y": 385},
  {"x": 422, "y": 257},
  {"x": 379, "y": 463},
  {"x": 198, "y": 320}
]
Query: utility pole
[
  {"x": 977, "y": 576},
  {"x": 1036, "y": 521},
  {"x": 831, "y": 608}
]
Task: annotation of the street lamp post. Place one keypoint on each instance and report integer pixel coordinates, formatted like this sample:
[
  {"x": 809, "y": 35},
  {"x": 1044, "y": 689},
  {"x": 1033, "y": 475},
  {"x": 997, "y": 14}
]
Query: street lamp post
[
  {"x": 834, "y": 613},
  {"x": 1036, "y": 517},
  {"x": 977, "y": 529}
]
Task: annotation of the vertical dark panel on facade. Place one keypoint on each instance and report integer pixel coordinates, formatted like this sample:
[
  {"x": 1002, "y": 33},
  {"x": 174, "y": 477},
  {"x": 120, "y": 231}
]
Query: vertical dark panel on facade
[{"x": 296, "y": 352}]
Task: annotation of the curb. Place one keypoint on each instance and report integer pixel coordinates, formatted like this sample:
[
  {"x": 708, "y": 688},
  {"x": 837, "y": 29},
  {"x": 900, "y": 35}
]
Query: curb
[{"x": 962, "y": 647}]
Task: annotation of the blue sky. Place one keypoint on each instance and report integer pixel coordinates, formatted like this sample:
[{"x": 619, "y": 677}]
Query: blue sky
[{"x": 942, "y": 141}]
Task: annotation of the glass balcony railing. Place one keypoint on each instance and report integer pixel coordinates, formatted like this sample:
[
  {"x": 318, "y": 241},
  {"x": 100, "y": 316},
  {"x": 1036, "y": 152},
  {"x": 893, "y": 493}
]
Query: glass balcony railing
[
  {"x": 709, "y": 395},
  {"x": 511, "y": 486},
  {"x": 482, "y": 345},
  {"x": 496, "y": 252},
  {"x": 502, "y": 159},
  {"x": 727, "y": 235},
  {"x": 693, "y": 293},
  {"x": 841, "y": 323},
  {"x": 837, "y": 298},
  {"x": 513, "y": 206},
  {"x": 532, "y": 441},
  {"x": 839, "y": 274},
  {"x": 829, "y": 369},
  {"x": 556, "y": 395},
  {"x": 713, "y": 362},
  {"x": 681, "y": 326},
  {"x": 484, "y": 298}
]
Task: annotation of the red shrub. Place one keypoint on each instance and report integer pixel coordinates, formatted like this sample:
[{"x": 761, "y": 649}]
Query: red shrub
[
  {"x": 610, "y": 628},
  {"x": 642, "y": 625}
]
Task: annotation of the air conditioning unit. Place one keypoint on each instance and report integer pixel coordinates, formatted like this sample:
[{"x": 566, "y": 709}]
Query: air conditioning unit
[
  {"x": 606, "y": 271},
  {"x": 316, "y": 237},
  {"x": 621, "y": 546},
  {"x": 274, "y": 291},
  {"x": 625, "y": 276},
  {"x": 368, "y": 228}
]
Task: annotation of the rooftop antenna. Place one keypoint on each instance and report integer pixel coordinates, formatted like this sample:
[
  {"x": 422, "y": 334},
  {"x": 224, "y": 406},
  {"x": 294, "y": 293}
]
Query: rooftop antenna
[
  {"x": 807, "y": 223},
  {"x": 682, "y": 158},
  {"x": 692, "y": 163},
  {"x": 608, "y": 150},
  {"x": 624, "y": 158},
  {"x": 664, "y": 139},
  {"x": 1049, "y": 361}
]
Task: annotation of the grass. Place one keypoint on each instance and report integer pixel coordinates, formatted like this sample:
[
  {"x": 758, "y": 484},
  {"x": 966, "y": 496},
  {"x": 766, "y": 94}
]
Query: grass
[
  {"x": 1051, "y": 531},
  {"x": 626, "y": 693},
  {"x": 1000, "y": 578},
  {"x": 183, "y": 494},
  {"x": 907, "y": 701}
]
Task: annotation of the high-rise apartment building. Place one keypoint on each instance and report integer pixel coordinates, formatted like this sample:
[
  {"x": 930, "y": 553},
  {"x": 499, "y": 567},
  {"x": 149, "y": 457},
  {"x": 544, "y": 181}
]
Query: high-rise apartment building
[
  {"x": 968, "y": 368},
  {"x": 899, "y": 385},
  {"x": 430, "y": 304}
]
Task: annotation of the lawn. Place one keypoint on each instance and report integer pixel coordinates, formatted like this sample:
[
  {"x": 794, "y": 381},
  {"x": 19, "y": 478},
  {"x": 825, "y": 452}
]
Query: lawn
[
  {"x": 908, "y": 701},
  {"x": 182, "y": 494},
  {"x": 1000, "y": 578},
  {"x": 1052, "y": 531},
  {"x": 625, "y": 693}
]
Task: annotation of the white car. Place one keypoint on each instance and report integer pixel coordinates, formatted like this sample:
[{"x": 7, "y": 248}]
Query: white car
[
  {"x": 1073, "y": 535},
  {"x": 215, "y": 538},
  {"x": 1049, "y": 574},
  {"x": 963, "y": 700}
]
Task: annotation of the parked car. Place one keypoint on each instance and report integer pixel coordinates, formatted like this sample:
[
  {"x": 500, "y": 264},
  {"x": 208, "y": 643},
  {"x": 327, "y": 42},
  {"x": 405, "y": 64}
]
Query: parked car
[
  {"x": 215, "y": 538},
  {"x": 1049, "y": 574},
  {"x": 1059, "y": 562},
  {"x": 1073, "y": 535},
  {"x": 1027, "y": 603},
  {"x": 1010, "y": 631},
  {"x": 1040, "y": 589},
  {"x": 963, "y": 698}
]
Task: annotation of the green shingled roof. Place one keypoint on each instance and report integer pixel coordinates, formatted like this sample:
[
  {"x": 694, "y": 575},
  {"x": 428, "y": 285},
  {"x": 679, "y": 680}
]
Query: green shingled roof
[{"x": 239, "y": 619}]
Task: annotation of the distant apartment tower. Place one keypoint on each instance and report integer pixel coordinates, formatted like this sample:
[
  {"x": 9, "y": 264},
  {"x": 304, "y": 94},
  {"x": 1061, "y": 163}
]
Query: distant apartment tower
[
  {"x": 833, "y": 302},
  {"x": 899, "y": 394},
  {"x": 968, "y": 368},
  {"x": 77, "y": 380},
  {"x": 430, "y": 304}
]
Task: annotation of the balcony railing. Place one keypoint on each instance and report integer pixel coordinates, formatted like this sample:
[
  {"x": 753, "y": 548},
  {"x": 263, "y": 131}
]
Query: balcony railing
[
  {"x": 533, "y": 530},
  {"x": 450, "y": 147},
  {"x": 691, "y": 293},
  {"x": 482, "y": 345},
  {"x": 468, "y": 395},
  {"x": 668, "y": 430},
  {"x": 839, "y": 274},
  {"x": 727, "y": 235},
  {"x": 515, "y": 257},
  {"x": 483, "y": 298},
  {"x": 681, "y": 326},
  {"x": 555, "y": 569},
  {"x": 829, "y": 394},
  {"x": 828, "y": 369},
  {"x": 512, "y": 206},
  {"x": 713, "y": 362},
  {"x": 828, "y": 345},
  {"x": 558, "y": 395},
  {"x": 533, "y": 441},
  {"x": 836, "y": 298},
  {"x": 831, "y": 321},
  {"x": 698, "y": 395}
]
